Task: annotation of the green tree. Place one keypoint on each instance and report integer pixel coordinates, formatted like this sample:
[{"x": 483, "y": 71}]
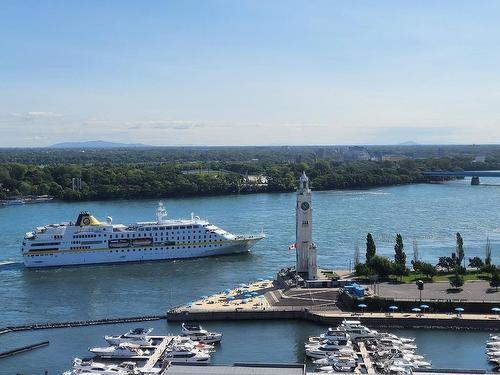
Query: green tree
[
  {"x": 495, "y": 279},
  {"x": 457, "y": 280},
  {"x": 476, "y": 263},
  {"x": 361, "y": 269},
  {"x": 447, "y": 263},
  {"x": 428, "y": 270},
  {"x": 417, "y": 265},
  {"x": 371, "y": 249},
  {"x": 487, "y": 250},
  {"x": 459, "y": 249},
  {"x": 399, "y": 254},
  {"x": 381, "y": 266}
]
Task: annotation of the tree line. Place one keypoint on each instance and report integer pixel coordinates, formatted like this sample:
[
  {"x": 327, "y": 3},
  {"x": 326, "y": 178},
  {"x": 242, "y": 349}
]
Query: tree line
[
  {"x": 114, "y": 181},
  {"x": 381, "y": 267}
]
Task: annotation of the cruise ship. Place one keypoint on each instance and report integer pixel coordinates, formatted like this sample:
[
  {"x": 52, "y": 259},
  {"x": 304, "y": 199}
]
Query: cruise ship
[{"x": 89, "y": 241}]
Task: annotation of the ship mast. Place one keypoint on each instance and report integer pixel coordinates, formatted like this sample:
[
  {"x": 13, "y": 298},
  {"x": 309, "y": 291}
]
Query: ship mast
[{"x": 161, "y": 212}]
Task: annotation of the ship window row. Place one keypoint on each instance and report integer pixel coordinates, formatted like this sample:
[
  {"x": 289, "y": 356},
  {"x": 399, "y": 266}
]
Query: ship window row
[
  {"x": 161, "y": 234},
  {"x": 79, "y": 247},
  {"x": 162, "y": 248},
  {"x": 87, "y": 235},
  {"x": 45, "y": 244}
]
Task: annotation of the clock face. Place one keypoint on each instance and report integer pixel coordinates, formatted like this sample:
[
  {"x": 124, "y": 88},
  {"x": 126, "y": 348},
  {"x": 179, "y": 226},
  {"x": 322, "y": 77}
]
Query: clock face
[{"x": 304, "y": 206}]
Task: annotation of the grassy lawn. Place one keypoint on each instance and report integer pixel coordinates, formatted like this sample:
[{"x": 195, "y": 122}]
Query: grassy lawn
[
  {"x": 329, "y": 274},
  {"x": 470, "y": 276}
]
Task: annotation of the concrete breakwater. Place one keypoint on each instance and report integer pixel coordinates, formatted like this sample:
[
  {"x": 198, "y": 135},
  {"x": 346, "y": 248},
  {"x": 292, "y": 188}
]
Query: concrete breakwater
[
  {"x": 80, "y": 323},
  {"x": 443, "y": 321}
]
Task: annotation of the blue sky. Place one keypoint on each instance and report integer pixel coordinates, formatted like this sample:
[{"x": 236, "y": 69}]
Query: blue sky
[{"x": 249, "y": 72}]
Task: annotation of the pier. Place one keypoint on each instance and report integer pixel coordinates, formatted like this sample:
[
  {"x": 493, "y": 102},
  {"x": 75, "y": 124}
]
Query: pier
[
  {"x": 155, "y": 357},
  {"x": 80, "y": 323},
  {"x": 366, "y": 359},
  {"x": 23, "y": 349}
]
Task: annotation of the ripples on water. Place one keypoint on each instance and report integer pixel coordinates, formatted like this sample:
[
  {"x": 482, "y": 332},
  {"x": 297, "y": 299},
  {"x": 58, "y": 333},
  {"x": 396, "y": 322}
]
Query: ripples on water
[{"x": 429, "y": 213}]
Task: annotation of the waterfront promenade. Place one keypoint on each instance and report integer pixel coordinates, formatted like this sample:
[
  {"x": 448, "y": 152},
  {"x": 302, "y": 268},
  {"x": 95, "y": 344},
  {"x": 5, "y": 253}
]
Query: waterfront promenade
[{"x": 263, "y": 300}]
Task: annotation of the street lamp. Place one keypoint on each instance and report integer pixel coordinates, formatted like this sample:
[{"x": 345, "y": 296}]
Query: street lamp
[{"x": 420, "y": 287}]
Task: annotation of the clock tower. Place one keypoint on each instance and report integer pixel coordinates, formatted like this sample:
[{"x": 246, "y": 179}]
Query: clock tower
[{"x": 305, "y": 247}]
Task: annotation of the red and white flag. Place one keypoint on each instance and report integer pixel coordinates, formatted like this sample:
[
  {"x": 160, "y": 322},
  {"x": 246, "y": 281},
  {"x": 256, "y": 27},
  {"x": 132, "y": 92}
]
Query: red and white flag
[{"x": 293, "y": 246}]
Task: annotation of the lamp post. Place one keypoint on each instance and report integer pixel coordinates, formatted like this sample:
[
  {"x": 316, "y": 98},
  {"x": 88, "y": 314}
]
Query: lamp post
[{"x": 420, "y": 287}]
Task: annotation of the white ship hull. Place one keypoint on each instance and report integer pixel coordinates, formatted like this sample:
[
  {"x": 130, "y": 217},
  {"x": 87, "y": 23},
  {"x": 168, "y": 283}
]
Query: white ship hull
[{"x": 136, "y": 254}]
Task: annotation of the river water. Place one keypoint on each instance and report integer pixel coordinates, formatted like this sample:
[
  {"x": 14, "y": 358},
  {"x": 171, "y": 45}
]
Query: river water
[{"x": 429, "y": 214}]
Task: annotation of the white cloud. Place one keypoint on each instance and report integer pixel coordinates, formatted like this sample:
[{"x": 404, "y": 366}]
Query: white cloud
[{"x": 41, "y": 115}]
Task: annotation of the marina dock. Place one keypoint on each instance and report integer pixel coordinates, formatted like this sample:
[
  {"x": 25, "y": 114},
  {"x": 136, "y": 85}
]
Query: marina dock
[
  {"x": 366, "y": 359},
  {"x": 158, "y": 352}
]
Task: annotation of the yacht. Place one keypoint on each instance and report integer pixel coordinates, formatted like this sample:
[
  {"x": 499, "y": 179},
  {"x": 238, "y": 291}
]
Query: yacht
[
  {"x": 396, "y": 343},
  {"x": 404, "y": 340},
  {"x": 124, "y": 350},
  {"x": 335, "y": 357},
  {"x": 90, "y": 241},
  {"x": 187, "y": 342},
  {"x": 341, "y": 365},
  {"x": 325, "y": 349},
  {"x": 181, "y": 354},
  {"x": 332, "y": 334},
  {"x": 138, "y": 336},
  {"x": 91, "y": 367},
  {"x": 356, "y": 330},
  {"x": 196, "y": 333}
]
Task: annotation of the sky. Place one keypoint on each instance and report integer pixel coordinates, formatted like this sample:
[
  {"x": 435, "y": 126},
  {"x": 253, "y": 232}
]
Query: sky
[{"x": 259, "y": 72}]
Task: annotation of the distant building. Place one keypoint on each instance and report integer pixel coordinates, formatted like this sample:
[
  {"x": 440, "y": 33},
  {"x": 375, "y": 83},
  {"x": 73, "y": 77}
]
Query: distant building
[
  {"x": 394, "y": 157},
  {"x": 354, "y": 153},
  {"x": 258, "y": 180},
  {"x": 479, "y": 159}
]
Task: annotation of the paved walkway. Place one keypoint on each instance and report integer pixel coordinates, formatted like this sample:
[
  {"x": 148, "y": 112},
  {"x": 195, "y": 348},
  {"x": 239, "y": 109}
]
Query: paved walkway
[{"x": 471, "y": 291}]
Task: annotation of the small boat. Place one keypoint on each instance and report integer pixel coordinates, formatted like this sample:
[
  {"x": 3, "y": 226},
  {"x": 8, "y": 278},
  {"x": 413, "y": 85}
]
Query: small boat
[
  {"x": 334, "y": 358},
  {"x": 122, "y": 242},
  {"x": 124, "y": 350},
  {"x": 186, "y": 341},
  {"x": 91, "y": 367},
  {"x": 138, "y": 336},
  {"x": 325, "y": 349},
  {"x": 182, "y": 354},
  {"x": 142, "y": 241},
  {"x": 196, "y": 333},
  {"x": 13, "y": 202}
]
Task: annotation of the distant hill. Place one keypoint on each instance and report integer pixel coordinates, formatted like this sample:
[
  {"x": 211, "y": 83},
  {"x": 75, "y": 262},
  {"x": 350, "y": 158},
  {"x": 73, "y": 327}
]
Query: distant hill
[
  {"x": 408, "y": 143},
  {"x": 96, "y": 144}
]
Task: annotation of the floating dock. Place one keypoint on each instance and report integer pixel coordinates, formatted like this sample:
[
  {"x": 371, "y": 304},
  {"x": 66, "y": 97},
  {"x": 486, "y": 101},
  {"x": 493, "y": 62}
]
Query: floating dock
[
  {"x": 23, "y": 349},
  {"x": 160, "y": 349}
]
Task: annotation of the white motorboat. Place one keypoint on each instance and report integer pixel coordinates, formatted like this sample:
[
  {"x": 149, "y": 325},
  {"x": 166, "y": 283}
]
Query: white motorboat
[
  {"x": 124, "y": 350},
  {"x": 325, "y": 349},
  {"x": 493, "y": 353},
  {"x": 405, "y": 340},
  {"x": 332, "y": 334},
  {"x": 197, "y": 333},
  {"x": 349, "y": 362},
  {"x": 137, "y": 336},
  {"x": 356, "y": 330},
  {"x": 340, "y": 366},
  {"x": 181, "y": 354},
  {"x": 396, "y": 343},
  {"x": 92, "y": 367},
  {"x": 340, "y": 355},
  {"x": 493, "y": 344},
  {"x": 187, "y": 342}
]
